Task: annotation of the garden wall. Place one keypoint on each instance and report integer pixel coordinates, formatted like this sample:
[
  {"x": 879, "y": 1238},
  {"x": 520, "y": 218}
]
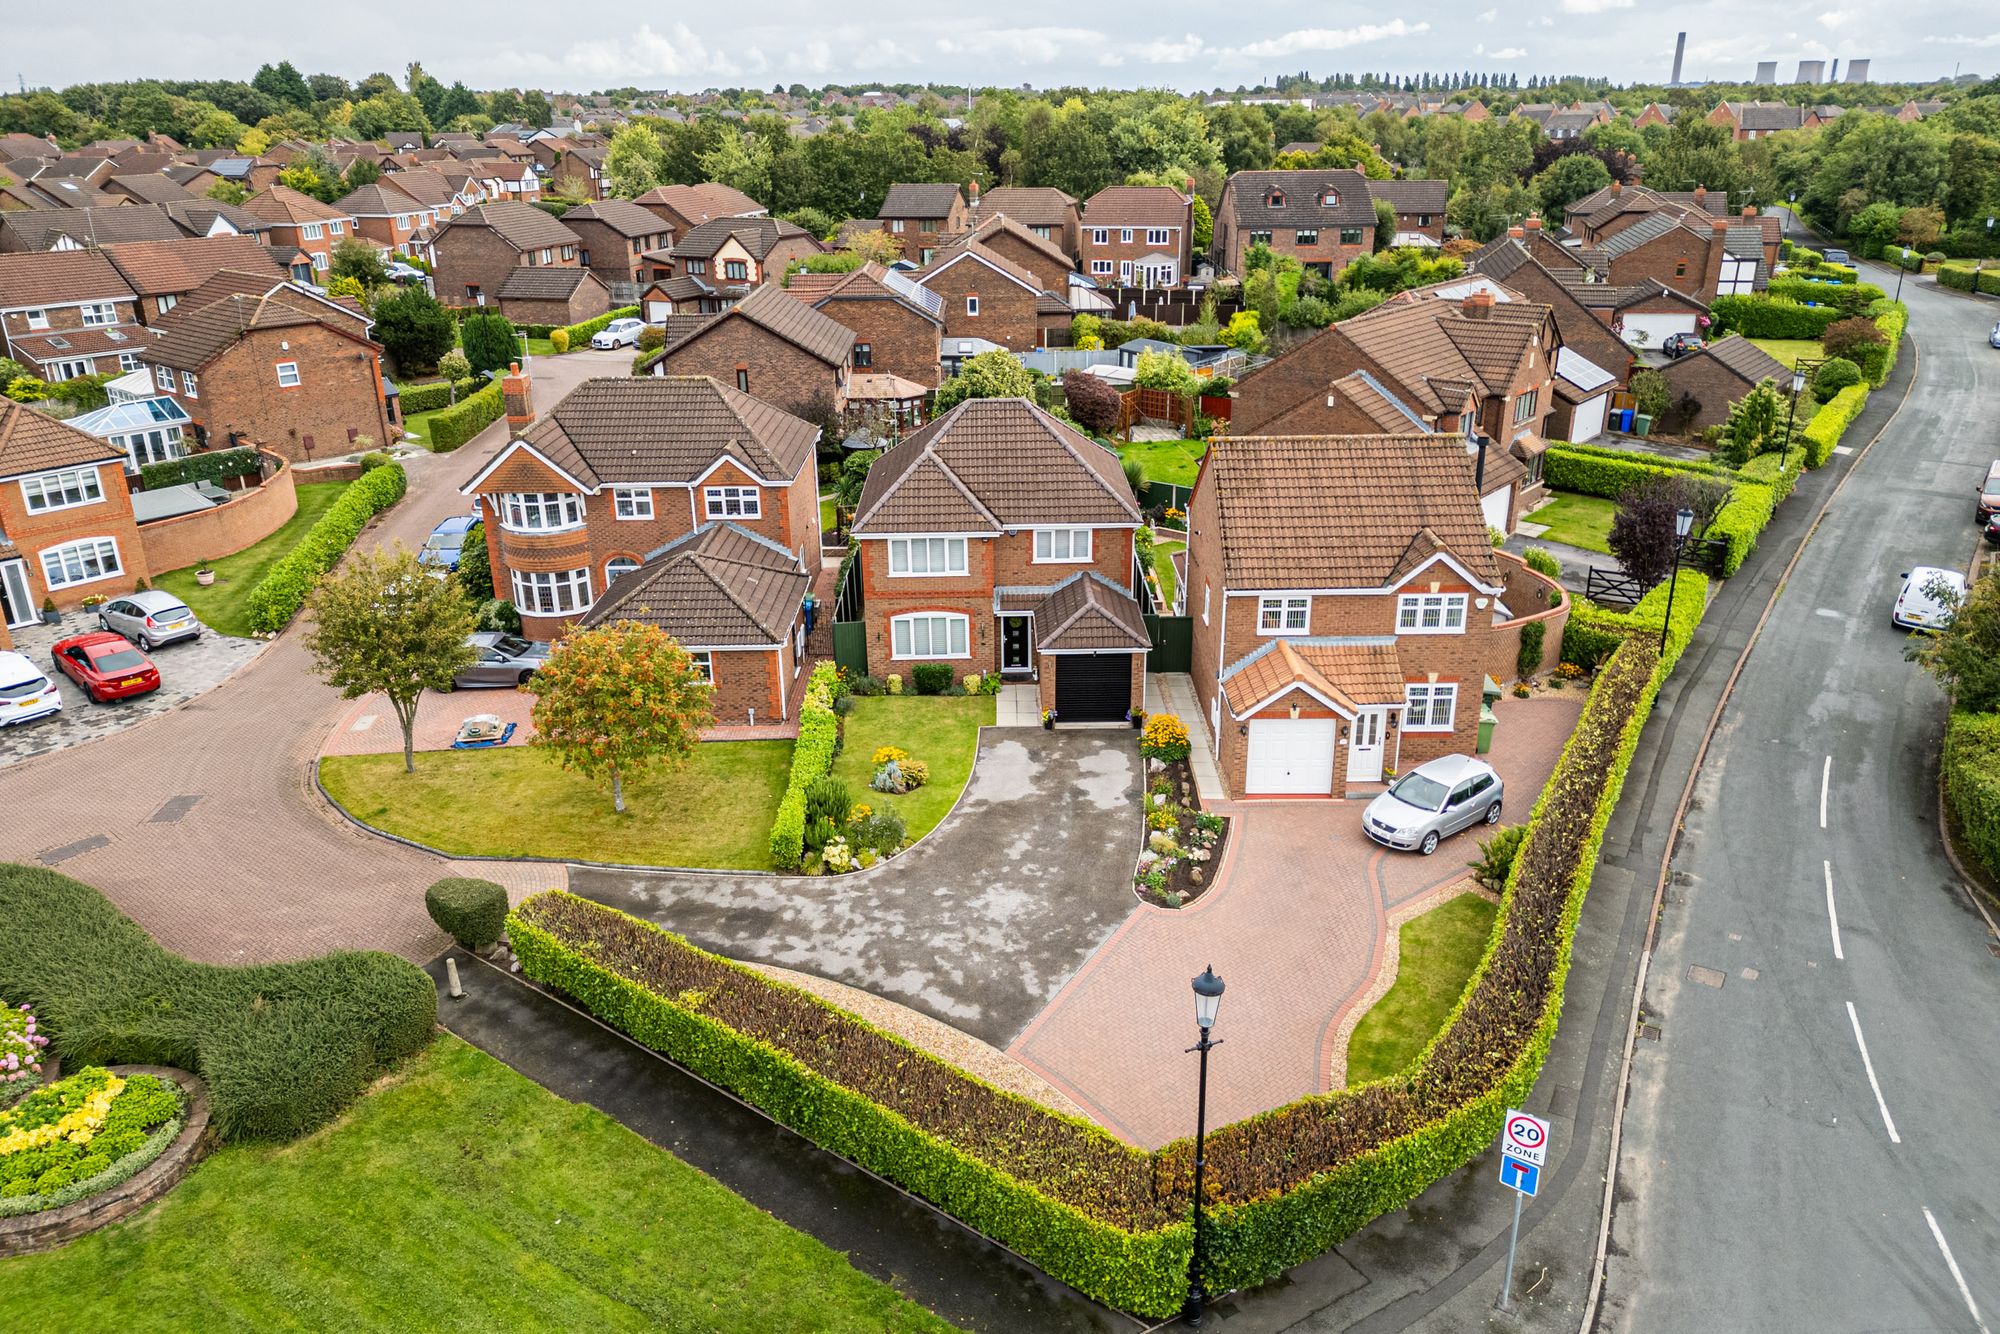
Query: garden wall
[
  {"x": 1525, "y": 589},
  {"x": 249, "y": 517}
]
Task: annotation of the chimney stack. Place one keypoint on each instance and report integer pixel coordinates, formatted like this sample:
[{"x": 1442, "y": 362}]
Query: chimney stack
[
  {"x": 1700, "y": 194},
  {"x": 520, "y": 404},
  {"x": 1517, "y": 232},
  {"x": 1749, "y": 211},
  {"x": 972, "y": 192},
  {"x": 1478, "y": 305},
  {"x": 1534, "y": 220},
  {"x": 1617, "y": 188}
]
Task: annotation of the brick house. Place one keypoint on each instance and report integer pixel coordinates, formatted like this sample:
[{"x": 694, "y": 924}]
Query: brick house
[
  {"x": 385, "y": 214},
  {"x": 1726, "y": 258},
  {"x": 66, "y": 525},
  {"x": 473, "y": 253},
  {"x": 1702, "y": 385},
  {"x": 1655, "y": 113},
  {"x": 1138, "y": 235},
  {"x": 731, "y": 256},
  {"x": 1345, "y": 599},
  {"x": 768, "y": 344},
  {"x": 923, "y": 217},
  {"x": 615, "y": 233},
  {"x": 898, "y": 325},
  {"x": 1419, "y": 209},
  {"x": 271, "y": 363},
  {"x": 1322, "y": 218},
  {"x": 554, "y": 296},
  {"x": 578, "y": 172},
  {"x": 685, "y": 207},
  {"x": 84, "y": 228},
  {"x": 984, "y": 295},
  {"x": 996, "y": 538},
  {"x": 1050, "y": 214},
  {"x": 161, "y": 273},
  {"x": 699, "y": 499},
  {"x": 1584, "y": 330},
  {"x": 1012, "y": 240},
  {"x": 300, "y": 221},
  {"x": 65, "y": 313},
  {"x": 1760, "y": 120}
]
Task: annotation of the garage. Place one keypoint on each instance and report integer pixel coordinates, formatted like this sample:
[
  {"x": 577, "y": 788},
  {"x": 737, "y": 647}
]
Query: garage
[
  {"x": 1290, "y": 756},
  {"x": 1093, "y": 687}
]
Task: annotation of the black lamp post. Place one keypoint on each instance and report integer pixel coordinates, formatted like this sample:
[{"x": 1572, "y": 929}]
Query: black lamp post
[
  {"x": 1207, "y": 1000},
  {"x": 1683, "y": 525},
  {"x": 1802, "y": 373}
]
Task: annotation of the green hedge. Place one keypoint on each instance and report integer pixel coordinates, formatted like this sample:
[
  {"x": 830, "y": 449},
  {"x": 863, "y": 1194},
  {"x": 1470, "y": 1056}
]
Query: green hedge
[
  {"x": 1972, "y": 782},
  {"x": 1762, "y": 317},
  {"x": 1767, "y": 470},
  {"x": 1823, "y": 432},
  {"x": 581, "y": 334},
  {"x": 283, "y": 1047},
  {"x": 1988, "y": 279},
  {"x": 812, "y": 757},
  {"x": 430, "y": 397},
  {"x": 1847, "y": 298},
  {"x": 471, "y": 415},
  {"x": 209, "y": 466},
  {"x": 1741, "y": 521},
  {"x": 1892, "y": 321},
  {"x": 1598, "y": 470},
  {"x": 1593, "y": 633},
  {"x": 278, "y": 597}
]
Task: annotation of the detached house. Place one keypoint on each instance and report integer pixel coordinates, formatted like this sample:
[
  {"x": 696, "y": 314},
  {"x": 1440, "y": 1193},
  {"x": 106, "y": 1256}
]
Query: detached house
[
  {"x": 1138, "y": 236},
  {"x": 474, "y": 253},
  {"x": 65, "y": 313},
  {"x": 1419, "y": 209},
  {"x": 985, "y": 295},
  {"x": 299, "y": 221},
  {"x": 675, "y": 501},
  {"x": 898, "y": 325},
  {"x": 1322, "y": 218},
  {"x": 615, "y": 234},
  {"x": 1012, "y": 240},
  {"x": 922, "y": 217},
  {"x": 385, "y": 214},
  {"x": 996, "y": 538},
  {"x": 728, "y": 257},
  {"x": 685, "y": 207},
  {"x": 1044, "y": 210},
  {"x": 770, "y": 345},
  {"x": 1345, "y": 598}
]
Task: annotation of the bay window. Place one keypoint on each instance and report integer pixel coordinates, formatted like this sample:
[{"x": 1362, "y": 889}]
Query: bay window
[
  {"x": 538, "y": 593},
  {"x": 928, "y": 635},
  {"x": 926, "y": 555},
  {"x": 541, "y": 511},
  {"x": 1430, "y": 614}
]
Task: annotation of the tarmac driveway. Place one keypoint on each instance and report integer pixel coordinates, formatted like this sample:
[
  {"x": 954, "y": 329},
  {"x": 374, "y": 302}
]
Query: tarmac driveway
[{"x": 978, "y": 925}]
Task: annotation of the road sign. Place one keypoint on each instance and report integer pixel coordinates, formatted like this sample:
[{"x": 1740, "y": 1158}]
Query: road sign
[
  {"x": 1524, "y": 1177},
  {"x": 1525, "y": 1137}
]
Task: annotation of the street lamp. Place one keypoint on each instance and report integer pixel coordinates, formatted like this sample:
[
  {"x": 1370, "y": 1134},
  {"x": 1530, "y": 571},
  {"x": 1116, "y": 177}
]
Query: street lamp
[
  {"x": 1802, "y": 371},
  {"x": 1683, "y": 525},
  {"x": 1207, "y": 1000}
]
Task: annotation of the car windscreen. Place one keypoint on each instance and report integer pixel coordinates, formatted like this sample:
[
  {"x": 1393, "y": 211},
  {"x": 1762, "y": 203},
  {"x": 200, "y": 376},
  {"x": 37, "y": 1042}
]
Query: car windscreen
[
  {"x": 511, "y": 646},
  {"x": 1416, "y": 790},
  {"x": 446, "y": 541},
  {"x": 22, "y": 689},
  {"x": 121, "y": 660},
  {"x": 174, "y": 613}
]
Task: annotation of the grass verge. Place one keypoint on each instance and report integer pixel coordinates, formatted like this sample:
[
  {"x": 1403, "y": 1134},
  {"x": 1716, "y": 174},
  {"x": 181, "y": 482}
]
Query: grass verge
[
  {"x": 224, "y": 606},
  {"x": 1577, "y": 521},
  {"x": 942, "y": 731},
  {"x": 1163, "y": 566},
  {"x": 1439, "y": 950}
]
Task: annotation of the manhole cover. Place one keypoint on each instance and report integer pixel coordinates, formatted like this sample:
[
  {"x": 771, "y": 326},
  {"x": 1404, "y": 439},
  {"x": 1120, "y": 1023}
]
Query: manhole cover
[
  {"x": 1649, "y": 1032},
  {"x": 1708, "y": 977},
  {"x": 173, "y": 809},
  {"x": 1749, "y": 975},
  {"x": 57, "y": 856}
]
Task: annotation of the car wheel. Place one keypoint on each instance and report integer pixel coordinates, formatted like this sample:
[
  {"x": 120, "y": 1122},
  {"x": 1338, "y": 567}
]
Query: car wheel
[
  {"x": 1430, "y": 843},
  {"x": 524, "y": 678},
  {"x": 145, "y": 644},
  {"x": 1493, "y": 813},
  {"x": 102, "y": 624}
]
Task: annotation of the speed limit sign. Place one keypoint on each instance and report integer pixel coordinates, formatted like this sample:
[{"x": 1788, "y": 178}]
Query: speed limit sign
[{"x": 1525, "y": 1137}]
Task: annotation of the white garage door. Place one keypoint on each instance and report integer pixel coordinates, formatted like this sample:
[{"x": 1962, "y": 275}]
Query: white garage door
[
  {"x": 1495, "y": 507},
  {"x": 1290, "y": 755},
  {"x": 1587, "y": 423}
]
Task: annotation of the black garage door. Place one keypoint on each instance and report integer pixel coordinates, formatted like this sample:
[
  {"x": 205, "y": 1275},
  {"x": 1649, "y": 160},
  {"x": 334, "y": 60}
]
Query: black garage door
[{"x": 1093, "y": 687}]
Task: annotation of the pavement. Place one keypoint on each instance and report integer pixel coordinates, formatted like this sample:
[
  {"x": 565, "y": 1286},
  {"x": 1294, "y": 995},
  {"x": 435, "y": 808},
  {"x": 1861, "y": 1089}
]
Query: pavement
[
  {"x": 1576, "y": 562},
  {"x": 978, "y": 924}
]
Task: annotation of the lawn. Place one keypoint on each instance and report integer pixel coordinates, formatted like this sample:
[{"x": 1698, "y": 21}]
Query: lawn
[
  {"x": 1163, "y": 566},
  {"x": 417, "y": 427},
  {"x": 1174, "y": 462},
  {"x": 1789, "y": 350},
  {"x": 714, "y": 811},
  {"x": 1577, "y": 521},
  {"x": 942, "y": 731},
  {"x": 1439, "y": 951},
  {"x": 224, "y": 606},
  {"x": 458, "y": 1195},
  {"x": 826, "y": 514}
]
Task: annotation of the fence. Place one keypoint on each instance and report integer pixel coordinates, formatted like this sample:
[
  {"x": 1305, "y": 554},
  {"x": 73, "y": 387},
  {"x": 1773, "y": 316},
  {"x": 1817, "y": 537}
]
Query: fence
[
  {"x": 1612, "y": 588},
  {"x": 1173, "y": 643},
  {"x": 1158, "y": 405},
  {"x": 1053, "y": 361}
]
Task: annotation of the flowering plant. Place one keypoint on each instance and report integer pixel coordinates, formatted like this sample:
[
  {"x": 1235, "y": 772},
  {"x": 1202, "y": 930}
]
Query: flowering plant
[
  {"x": 1164, "y": 738},
  {"x": 20, "y": 1046},
  {"x": 76, "y": 1128}
]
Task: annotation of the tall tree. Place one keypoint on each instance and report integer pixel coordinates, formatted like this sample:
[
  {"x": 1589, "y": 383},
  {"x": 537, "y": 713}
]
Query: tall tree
[
  {"x": 615, "y": 700},
  {"x": 1965, "y": 655},
  {"x": 283, "y": 83},
  {"x": 535, "y": 109},
  {"x": 633, "y": 161},
  {"x": 413, "y": 328}
]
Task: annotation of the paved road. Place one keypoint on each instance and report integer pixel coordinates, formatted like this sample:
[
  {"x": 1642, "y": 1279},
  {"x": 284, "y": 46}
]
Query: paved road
[{"x": 1772, "y": 1176}]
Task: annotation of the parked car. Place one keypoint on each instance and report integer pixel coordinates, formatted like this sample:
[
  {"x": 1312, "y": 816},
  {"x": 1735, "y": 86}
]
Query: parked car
[
  {"x": 149, "y": 619},
  {"x": 25, "y": 694},
  {"x": 106, "y": 666},
  {"x": 400, "y": 272},
  {"x": 1835, "y": 256},
  {"x": 1992, "y": 530},
  {"x": 1680, "y": 344},
  {"x": 504, "y": 660},
  {"x": 1434, "y": 801},
  {"x": 1989, "y": 493},
  {"x": 618, "y": 333},
  {"x": 1929, "y": 599},
  {"x": 442, "y": 547}
]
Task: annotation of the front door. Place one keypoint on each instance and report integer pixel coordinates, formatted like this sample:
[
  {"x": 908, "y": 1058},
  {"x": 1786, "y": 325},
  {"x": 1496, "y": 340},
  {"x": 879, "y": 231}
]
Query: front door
[
  {"x": 16, "y": 606},
  {"x": 1364, "y": 747},
  {"x": 1016, "y": 654}
]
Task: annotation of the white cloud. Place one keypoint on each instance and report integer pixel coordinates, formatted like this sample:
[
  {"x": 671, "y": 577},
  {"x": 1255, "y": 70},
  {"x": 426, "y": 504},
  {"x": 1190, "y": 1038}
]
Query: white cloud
[
  {"x": 1165, "y": 51},
  {"x": 1991, "y": 39},
  {"x": 1509, "y": 53},
  {"x": 1330, "y": 39},
  {"x": 1546, "y": 22},
  {"x": 816, "y": 58},
  {"x": 1489, "y": 16},
  {"x": 1835, "y": 18},
  {"x": 1023, "y": 44},
  {"x": 1594, "y": 6},
  {"x": 677, "y": 53}
]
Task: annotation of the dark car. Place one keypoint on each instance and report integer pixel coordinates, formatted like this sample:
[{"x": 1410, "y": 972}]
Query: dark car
[
  {"x": 504, "y": 660},
  {"x": 1992, "y": 530},
  {"x": 106, "y": 666},
  {"x": 1680, "y": 344},
  {"x": 441, "y": 548}
]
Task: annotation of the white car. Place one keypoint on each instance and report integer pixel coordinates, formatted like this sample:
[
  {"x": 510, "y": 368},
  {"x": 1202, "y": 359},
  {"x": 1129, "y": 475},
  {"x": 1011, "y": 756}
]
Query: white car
[
  {"x": 405, "y": 273},
  {"x": 1929, "y": 599},
  {"x": 25, "y": 693},
  {"x": 618, "y": 333}
]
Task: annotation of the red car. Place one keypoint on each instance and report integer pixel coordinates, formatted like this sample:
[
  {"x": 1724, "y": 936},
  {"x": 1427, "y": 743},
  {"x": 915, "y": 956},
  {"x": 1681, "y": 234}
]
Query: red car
[{"x": 106, "y": 666}]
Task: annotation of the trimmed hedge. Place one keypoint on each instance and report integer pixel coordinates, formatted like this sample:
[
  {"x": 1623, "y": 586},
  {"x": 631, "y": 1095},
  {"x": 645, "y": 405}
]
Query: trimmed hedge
[
  {"x": 1823, "y": 432},
  {"x": 581, "y": 334},
  {"x": 210, "y": 466},
  {"x": 1593, "y": 633},
  {"x": 1765, "y": 469},
  {"x": 1597, "y": 470},
  {"x": 812, "y": 758},
  {"x": 1848, "y": 298},
  {"x": 278, "y": 597},
  {"x": 472, "y": 912},
  {"x": 1763, "y": 317},
  {"x": 1893, "y": 322},
  {"x": 1962, "y": 280},
  {"x": 1741, "y": 521},
  {"x": 471, "y": 415},
  {"x": 430, "y": 397},
  {"x": 283, "y": 1047},
  {"x": 1971, "y": 768}
]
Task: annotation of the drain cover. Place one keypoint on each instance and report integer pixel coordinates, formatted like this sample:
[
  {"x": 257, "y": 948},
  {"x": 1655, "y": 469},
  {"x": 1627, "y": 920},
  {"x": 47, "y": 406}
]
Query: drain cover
[
  {"x": 1708, "y": 977},
  {"x": 57, "y": 856},
  {"x": 173, "y": 809},
  {"x": 1649, "y": 1032}
]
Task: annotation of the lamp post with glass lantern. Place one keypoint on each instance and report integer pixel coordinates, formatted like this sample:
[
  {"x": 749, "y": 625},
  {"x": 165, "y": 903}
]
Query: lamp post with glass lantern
[
  {"x": 1802, "y": 373},
  {"x": 1207, "y": 1000},
  {"x": 1683, "y": 525}
]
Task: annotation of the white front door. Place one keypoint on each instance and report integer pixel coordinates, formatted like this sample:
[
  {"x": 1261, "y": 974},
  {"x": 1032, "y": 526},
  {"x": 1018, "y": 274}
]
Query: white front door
[
  {"x": 1364, "y": 747},
  {"x": 1290, "y": 756},
  {"x": 18, "y": 606}
]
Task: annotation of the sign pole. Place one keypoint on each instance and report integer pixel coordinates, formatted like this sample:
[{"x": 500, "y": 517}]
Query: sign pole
[{"x": 1507, "y": 1276}]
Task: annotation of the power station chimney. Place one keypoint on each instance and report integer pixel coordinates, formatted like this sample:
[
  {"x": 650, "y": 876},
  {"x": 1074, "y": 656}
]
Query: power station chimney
[
  {"x": 1680, "y": 50},
  {"x": 1812, "y": 71},
  {"x": 1767, "y": 72},
  {"x": 1833, "y": 75},
  {"x": 1857, "y": 71}
]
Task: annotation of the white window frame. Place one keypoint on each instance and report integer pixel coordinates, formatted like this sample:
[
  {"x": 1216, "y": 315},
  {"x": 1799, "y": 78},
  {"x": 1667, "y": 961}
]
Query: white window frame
[
  {"x": 164, "y": 377},
  {"x": 291, "y": 366},
  {"x": 1124, "y": 236},
  {"x": 552, "y": 593},
  {"x": 906, "y": 553},
  {"x": 903, "y": 632},
  {"x": 971, "y": 303},
  {"x": 311, "y": 231},
  {"x": 70, "y": 370},
  {"x": 85, "y": 483},
  {"x": 1204, "y": 604},
  {"x": 1100, "y": 236},
  {"x": 128, "y": 361},
  {"x": 91, "y": 552},
  {"x": 1421, "y": 700},
  {"x": 627, "y": 565},
  {"x": 1125, "y": 271},
  {"x": 319, "y": 260},
  {"x": 1102, "y": 266},
  {"x": 38, "y": 319},
  {"x": 716, "y": 502},
  {"x": 1524, "y": 406},
  {"x": 1048, "y": 541},
  {"x": 632, "y": 503},
  {"x": 541, "y": 511},
  {"x": 190, "y": 386},
  {"x": 1413, "y": 610},
  {"x": 99, "y": 314},
  {"x": 895, "y": 226},
  {"x": 703, "y": 663},
  {"x": 1287, "y": 608},
  {"x": 335, "y": 227}
]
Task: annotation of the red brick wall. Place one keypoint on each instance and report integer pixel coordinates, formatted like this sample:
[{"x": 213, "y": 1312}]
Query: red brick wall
[
  {"x": 338, "y": 398},
  {"x": 1680, "y": 259},
  {"x": 110, "y": 517},
  {"x": 249, "y": 518},
  {"x": 1327, "y": 251},
  {"x": 586, "y": 303},
  {"x": 780, "y": 373},
  {"x": 1053, "y": 273},
  {"x": 904, "y": 343},
  {"x": 1712, "y": 384},
  {"x": 747, "y": 679},
  {"x": 613, "y": 257},
  {"x": 384, "y": 231},
  {"x": 1006, "y": 309},
  {"x": 1179, "y": 242},
  {"x": 477, "y": 256}
]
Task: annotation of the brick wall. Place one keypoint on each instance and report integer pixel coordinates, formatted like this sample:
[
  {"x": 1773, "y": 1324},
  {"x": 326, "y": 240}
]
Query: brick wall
[
  {"x": 250, "y": 516},
  {"x": 386, "y": 231},
  {"x": 62, "y": 319},
  {"x": 1006, "y": 309},
  {"x": 1179, "y": 243},
  {"x": 747, "y": 679},
  {"x": 1713, "y": 385},
  {"x": 469, "y": 256},
  {"x": 779, "y": 372},
  {"x": 1052, "y": 273},
  {"x": 613, "y": 257},
  {"x": 902, "y": 341},
  {"x": 1327, "y": 252},
  {"x": 111, "y": 517},
  {"x": 1527, "y": 596},
  {"x": 337, "y": 401},
  {"x": 586, "y": 303},
  {"x": 1680, "y": 259}
]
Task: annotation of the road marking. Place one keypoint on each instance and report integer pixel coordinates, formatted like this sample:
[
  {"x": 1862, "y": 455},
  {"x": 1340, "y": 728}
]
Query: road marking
[
  {"x": 1825, "y": 776},
  {"x": 1843, "y": 449},
  {"x": 1833, "y": 916},
  {"x": 1869, "y": 1066},
  {"x": 1956, "y": 1276}
]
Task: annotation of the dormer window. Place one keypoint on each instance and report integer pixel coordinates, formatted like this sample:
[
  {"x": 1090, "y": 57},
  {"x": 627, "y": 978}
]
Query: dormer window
[
  {"x": 1329, "y": 198},
  {"x": 1276, "y": 199}
]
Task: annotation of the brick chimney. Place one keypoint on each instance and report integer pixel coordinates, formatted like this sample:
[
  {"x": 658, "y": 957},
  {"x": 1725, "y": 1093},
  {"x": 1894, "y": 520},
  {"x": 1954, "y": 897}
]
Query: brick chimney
[
  {"x": 1533, "y": 223},
  {"x": 520, "y": 404},
  {"x": 1700, "y": 195},
  {"x": 1478, "y": 305},
  {"x": 1617, "y": 188},
  {"x": 1517, "y": 232},
  {"x": 972, "y": 192},
  {"x": 1190, "y": 187},
  {"x": 1749, "y": 211}
]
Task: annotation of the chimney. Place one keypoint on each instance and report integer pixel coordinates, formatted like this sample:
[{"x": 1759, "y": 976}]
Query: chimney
[
  {"x": 1616, "y": 188},
  {"x": 1700, "y": 195},
  {"x": 1517, "y": 232},
  {"x": 972, "y": 192},
  {"x": 520, "y": 405},
  {"x": 1719, "y": 225},
  {"x": 1478, "y": 305},
  {"x": 1533, "y": 222},
  {"x": 1749, "y": 211},
  {"x": 1190, "y": 187}
]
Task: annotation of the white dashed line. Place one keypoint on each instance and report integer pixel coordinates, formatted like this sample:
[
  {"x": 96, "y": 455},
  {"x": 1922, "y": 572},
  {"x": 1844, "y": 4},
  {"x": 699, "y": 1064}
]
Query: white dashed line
[
  {"x": 1825, "y": 777},
  {"x": 1868, "y": 1065},
  {"x": 1956, "y": 1276},
  {"x": 1833, "y": 918}
]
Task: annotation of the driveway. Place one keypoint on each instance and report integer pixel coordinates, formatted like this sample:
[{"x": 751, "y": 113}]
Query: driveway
[{"x": 978, "y": 925}]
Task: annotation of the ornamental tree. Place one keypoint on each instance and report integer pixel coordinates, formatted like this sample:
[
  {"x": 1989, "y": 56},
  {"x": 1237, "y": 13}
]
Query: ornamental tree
[
  {"x": 1757, "y": 425},
  {"x": 414, "y": 328},
  {"x": 1965, "y": 655},
  {"x": 612, "y": 700},
  {"x": 383, "y": 624},
  {"x": 1092, "y": 401},
  {"x": 1643, "y": 534},
  {"x": 489, "y": 341},
  {"x": 994, "y": 374}
]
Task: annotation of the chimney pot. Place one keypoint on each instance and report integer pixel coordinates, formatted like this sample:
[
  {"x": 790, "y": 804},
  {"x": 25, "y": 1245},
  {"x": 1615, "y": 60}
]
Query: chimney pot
[
  {"x": 1719, "y": 225},
  {"x": 972, "y": 191},
  {"x": 1700, "y": 193},
  {"x": 1617, "y": 187}
]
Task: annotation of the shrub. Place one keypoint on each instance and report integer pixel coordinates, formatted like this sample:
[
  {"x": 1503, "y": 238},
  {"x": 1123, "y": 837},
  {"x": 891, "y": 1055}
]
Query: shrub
[
  {"x": 1529, "y": 660},
  {"x": 1858, "y": 340},
  {"x": 1092, "y": 401},
  {"x": 1763, "y": 317},
  {"x": 1823, "y": 432},
  {"x": 867, "y": 687},
  {"x": 427, "y": 397},
  {"x": 827, "y": 799},
  {"x": 1599, "y": 470},
  {"x": 467, "y": 418},
  {"x": 1541, "y": 561},
  {"x": 1834, "y": 375},
  {"x": 209, "y": 466},
  {"x": 885, "y": 754},
  {"x": 472, "y": 912},
  {"x": 1593, "y": 633},
  {"x": 1742, "y": 521},
  {"x": 1971, "y": 768},
  {"x": 893, "y": 683},
  {"x": 489, "y": 341},
  {"x": 68, "y": 1134},
  {"x": 498, "y": 614},
  {"x": 882, "y": 830},
  {"x": 1165, "y": 738},
  {"x": 1891, "y": 323},
  {"x": 1496, "y": 857},
  {"x": 283, "y": 1047},
  {"x": 373, "y": 459},
  {"x": 915, "y": 773},
  {"x": 931, "y": 678},
  {"x": 1847, "y": 298},
  {"x": 279, "y": 595},
  {"x": 812, "y": 756}
]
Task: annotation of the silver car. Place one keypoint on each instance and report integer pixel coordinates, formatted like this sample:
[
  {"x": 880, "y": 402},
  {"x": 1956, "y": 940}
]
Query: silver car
[
  {"x": 149, "y": 619},
  {"x": 1433, "y": 801},
  {"x": 504, "y": 660}
]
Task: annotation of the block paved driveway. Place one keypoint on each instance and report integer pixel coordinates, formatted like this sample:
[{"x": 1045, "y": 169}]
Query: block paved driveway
[
  {"x": 979, "y": 924},
  {"x": 1295, "y": 927}
]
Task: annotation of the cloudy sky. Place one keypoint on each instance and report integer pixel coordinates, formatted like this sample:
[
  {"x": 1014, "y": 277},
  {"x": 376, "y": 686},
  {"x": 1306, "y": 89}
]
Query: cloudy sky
[{"x": 1051, "y": 42}]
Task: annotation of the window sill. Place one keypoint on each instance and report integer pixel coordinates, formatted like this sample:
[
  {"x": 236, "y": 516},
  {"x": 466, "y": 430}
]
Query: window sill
[
  {"x": 1061, "y": 560},
  {"x": 1280, "y": 634},
  {"x": 79, "y": 583},
  {"x": 542, "y": 532},
  {"x": 929, "y": 657},
  {"x": 1431, "y": 729},
  {"x": 1400, "y": 630},
  {"x": 58, "y": 509}
]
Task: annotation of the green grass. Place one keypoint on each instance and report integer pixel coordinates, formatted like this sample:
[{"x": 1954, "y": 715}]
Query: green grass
[
  {"x": 542, "y": 347},
  {"x": 826, "y": 515},
  {"x": 942, "y": 731},
  {"x": 417, "y": 427},
  {"x": 1577, "y": 521},
  {"x": 1789, "y": 350},
  {"x": 1163, "y": 565},
  {"x": 1174, "y": 462},
  {"x": 713, "y": 811},
  {"x": 224, "y": 606},
  {"x": 459, "y": 1195},
  {"x": 1439, "y": 951}
]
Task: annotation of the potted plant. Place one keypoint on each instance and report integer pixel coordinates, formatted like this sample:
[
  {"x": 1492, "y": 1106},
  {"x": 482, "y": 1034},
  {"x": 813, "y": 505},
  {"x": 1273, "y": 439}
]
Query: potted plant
[
  {"x": 1048, "y": 720},
  {"x": 1136, "y": 717},
  {"x": 94, "y": 601},
  {"x": 50, "y": 616},
  {"x": 204, "y": 573}
]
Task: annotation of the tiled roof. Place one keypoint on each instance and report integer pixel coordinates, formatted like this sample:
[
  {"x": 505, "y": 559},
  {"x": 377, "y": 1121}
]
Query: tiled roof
[
  {"x": 673, "y": 428},
  {"x": 1746, "y": 359},
  {"x": 1649, "y": 228},
  {"x": 423, "y": 185},
  {"x": 72, "y": 192},
  {"x": 1031, "y": 205},
  {"x": 755, "y": 234},
  {"x": 380, "y": 199},
  {"x": 699, "y": 203},
  {"x": 994, "y": 463},
  {"x": 720, "y": 586},
  {"x": 39, "y": 228},
  {"x": 58, "y": 346},
  {"x": 1369, "y": 395},
  {"x": 1087, "y": 612},
  {"x": 1137, "y": 206},
  {"x": 192, "y": 336},
  {"x": 925, "y": 199},
  {"x": 544, "y": 283},
  {"x": 31, "y": 441},
  {"x": 522, "y": 226},
  {"x": 1350, "y": 670},
  {"x": 1251, "y": 195},
  {"x": 797, "y": 323},
  {"x": 1765, "y": 118},
  {"x": 150, "y": 187},
  {"x": 58, "y": 277},
  {"x": 869, "y": 282},
  {"x": 197, "y": 217},
  {"x": 995, "y": 225},
  {"x": 622, "y": 216},
  {"x": 282, "y": 204},
  {"x": 1412, "y": 196},
  {"x": 174, "y": 267},
  {"x": 1341, "y": 511}
]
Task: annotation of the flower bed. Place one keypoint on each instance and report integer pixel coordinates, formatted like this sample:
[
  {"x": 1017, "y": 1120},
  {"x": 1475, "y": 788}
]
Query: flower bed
[
  {"x": 21, "y": 1045},
  {"x": 82, "y": 1135},
  {"x": 1184, "y": 843}
]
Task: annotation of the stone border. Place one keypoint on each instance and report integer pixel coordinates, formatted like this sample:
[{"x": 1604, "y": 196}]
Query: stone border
[{"x": 27, "y": 1233}]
